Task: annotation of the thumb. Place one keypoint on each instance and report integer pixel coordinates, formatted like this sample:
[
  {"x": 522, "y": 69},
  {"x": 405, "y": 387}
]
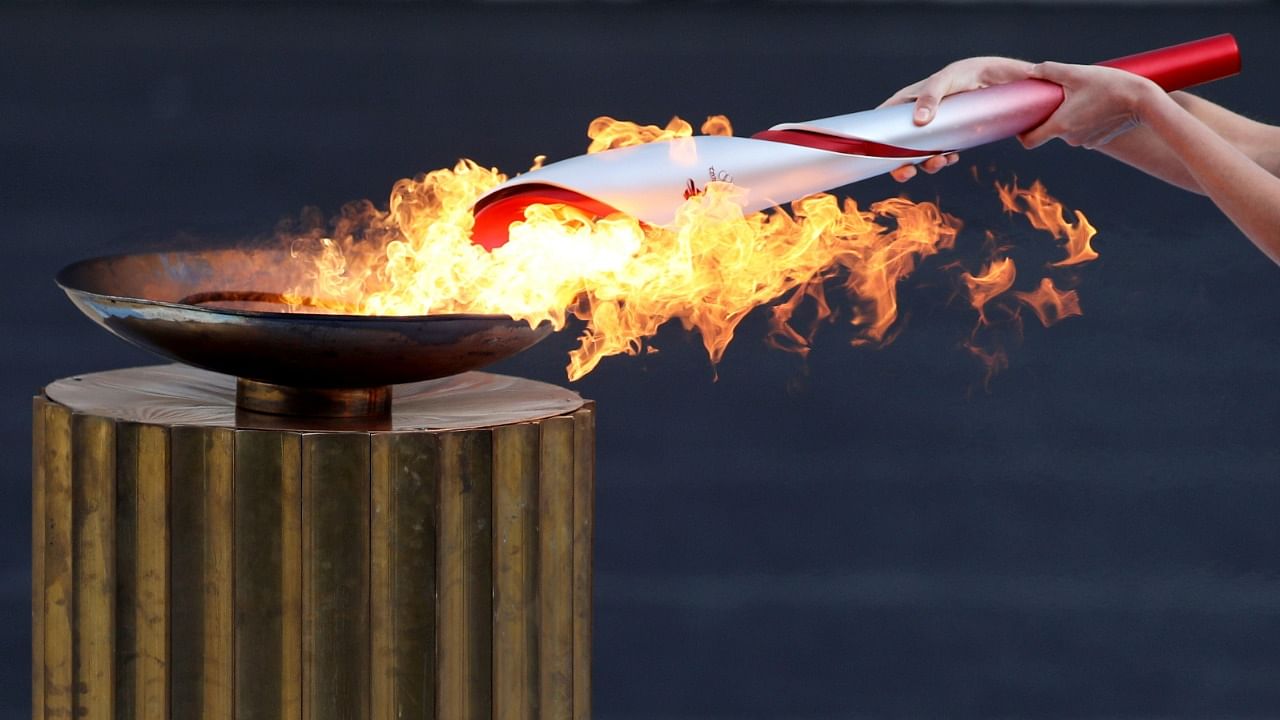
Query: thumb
[
  {"x": 930, "y": 93},
  {"x": 926, "y": 108},
  {"x": 1036, "y": 137},
  {"x": 902, "y": 96},
  {"x": 1054, "y": 72},
  {"x": 1005, "y": 71}
]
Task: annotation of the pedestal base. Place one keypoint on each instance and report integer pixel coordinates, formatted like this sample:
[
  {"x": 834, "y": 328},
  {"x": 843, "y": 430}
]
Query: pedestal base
[{"x": 186, "y": 566}]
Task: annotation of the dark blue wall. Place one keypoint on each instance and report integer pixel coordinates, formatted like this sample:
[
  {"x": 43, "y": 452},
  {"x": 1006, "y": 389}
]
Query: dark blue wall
[{"x": 870, "y": 534}]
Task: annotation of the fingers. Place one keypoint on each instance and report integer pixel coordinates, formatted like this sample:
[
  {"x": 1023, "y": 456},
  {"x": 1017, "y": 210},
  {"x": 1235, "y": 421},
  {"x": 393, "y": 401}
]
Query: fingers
[
  {"x": 999, "y": 71},
  {"x": 926, "y": 101},
  {"x": 1097, "y": 105},
  {"x": 927, "y": 93},
  {"x": 938, "y": 162},
  {"x": 930, "y": 93},
  {"x": 926, "y": 106},
  {"x": 904, "y": 173},
  {"x": 1055, "y": 72},
  {"x": 904, "y": 95},
  {"x": 1036, "y": 137},
  {"x": 930, "y": 165},
  {"x": 1047, "y": 70},
  {"x": 961, "y": 75}
]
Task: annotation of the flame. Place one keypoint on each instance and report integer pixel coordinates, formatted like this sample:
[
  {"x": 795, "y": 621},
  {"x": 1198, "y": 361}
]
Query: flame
[
  {"x": 988, "y": 289},
  {"x": 1047, "y": 214},
  {"x": 994, "y": 359},
  {"x": 1050, "y": 304},
  {"x": 625, "y": 279},
  {"x": 607, "y": 133},
  {"x": 717, "y": 125},
  {"x": 990, "y": 283}
]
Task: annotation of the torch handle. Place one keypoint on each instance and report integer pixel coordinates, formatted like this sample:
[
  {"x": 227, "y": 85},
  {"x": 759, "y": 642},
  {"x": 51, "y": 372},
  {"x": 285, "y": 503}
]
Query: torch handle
[
  {"x": 977, "y": 117},
  {"x": 1182, "y": 66}
]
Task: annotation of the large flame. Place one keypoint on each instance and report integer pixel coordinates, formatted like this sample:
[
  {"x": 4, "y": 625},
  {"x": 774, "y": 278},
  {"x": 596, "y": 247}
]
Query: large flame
[{"x": 625, "y": 279}]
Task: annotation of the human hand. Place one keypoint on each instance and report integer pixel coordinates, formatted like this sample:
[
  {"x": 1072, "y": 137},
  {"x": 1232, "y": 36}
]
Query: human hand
[
  {"x": 1099, "y": 104},
  {"x": 968, "y": 74}
]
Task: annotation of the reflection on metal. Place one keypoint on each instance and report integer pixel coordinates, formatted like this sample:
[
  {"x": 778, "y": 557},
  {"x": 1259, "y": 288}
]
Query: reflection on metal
[
  {"x": 139, "y": 298},
  {"x": 270, "y": 399},
  {"x": 177, "y": 394}
]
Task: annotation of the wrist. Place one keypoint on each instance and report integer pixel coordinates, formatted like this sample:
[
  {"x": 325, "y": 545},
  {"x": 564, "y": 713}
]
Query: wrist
[{"x": 1148, "y": 101}]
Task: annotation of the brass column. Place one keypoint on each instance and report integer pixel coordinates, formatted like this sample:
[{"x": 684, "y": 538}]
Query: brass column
[{"x": 187, "y": 565}]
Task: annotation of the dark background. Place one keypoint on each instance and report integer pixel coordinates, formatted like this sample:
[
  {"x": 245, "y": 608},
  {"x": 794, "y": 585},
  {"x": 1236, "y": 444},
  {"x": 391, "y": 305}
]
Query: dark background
[{"x": 868, "y": 534}]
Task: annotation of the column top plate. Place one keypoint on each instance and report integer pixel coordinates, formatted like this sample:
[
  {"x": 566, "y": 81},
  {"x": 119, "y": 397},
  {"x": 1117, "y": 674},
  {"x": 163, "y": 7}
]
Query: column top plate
[{"x": 182, "y": 395}]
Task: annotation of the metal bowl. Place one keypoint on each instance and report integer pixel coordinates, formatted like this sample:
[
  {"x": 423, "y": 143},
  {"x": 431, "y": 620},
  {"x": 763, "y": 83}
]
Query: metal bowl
[{"x": 139, "y": 297}]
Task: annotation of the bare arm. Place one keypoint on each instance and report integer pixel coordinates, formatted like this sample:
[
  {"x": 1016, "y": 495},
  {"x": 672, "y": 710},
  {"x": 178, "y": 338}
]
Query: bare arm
[
  {"x": 1183, "y": 139},
  {"x": 1138, "y": 147},
  {"x": 1218, "y": 159},
  {"x": 1241, "y": 185},
  {"x": 1146, "y": 151}
]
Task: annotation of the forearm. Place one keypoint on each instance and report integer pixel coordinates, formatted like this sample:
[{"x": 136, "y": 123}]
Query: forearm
[
  {"x": 1143, "y": 149},
  {"x": 1242, "y": 188}
]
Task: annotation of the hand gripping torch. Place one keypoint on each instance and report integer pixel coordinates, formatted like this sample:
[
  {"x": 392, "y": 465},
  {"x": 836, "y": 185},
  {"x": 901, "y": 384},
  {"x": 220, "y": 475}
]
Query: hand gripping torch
[{"x": 792, "y": 160}]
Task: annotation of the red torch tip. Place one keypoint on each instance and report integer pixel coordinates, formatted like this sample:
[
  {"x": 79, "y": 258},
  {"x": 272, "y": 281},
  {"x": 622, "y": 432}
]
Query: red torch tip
[{"x": 1182, "y": 66}]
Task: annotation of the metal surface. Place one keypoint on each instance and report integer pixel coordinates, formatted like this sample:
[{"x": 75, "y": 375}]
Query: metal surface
[
  {"x": 201, "y": 606},
  {"x": 402, "y": 574},
  {"x": 464, "y": 572},
  {"x": 555, "y": 568},
  {"x": 648, "y": 181},
  {"x": 963, "y": 121},
  {"x": 137, "y": 298},
  {"x": 182, "y": 395},
  {"x": 269, "y": 399},
  {"x": 366, "y": 574},
  {"x": 335, "y": 576}
]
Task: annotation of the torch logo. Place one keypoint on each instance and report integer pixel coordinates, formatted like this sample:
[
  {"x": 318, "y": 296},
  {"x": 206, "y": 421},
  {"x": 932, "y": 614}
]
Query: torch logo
[{"x": 713, "y": 175}]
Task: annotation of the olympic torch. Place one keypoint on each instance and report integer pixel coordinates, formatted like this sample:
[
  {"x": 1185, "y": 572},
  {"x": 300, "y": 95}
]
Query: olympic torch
[{"x": 792, "y": 160}]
